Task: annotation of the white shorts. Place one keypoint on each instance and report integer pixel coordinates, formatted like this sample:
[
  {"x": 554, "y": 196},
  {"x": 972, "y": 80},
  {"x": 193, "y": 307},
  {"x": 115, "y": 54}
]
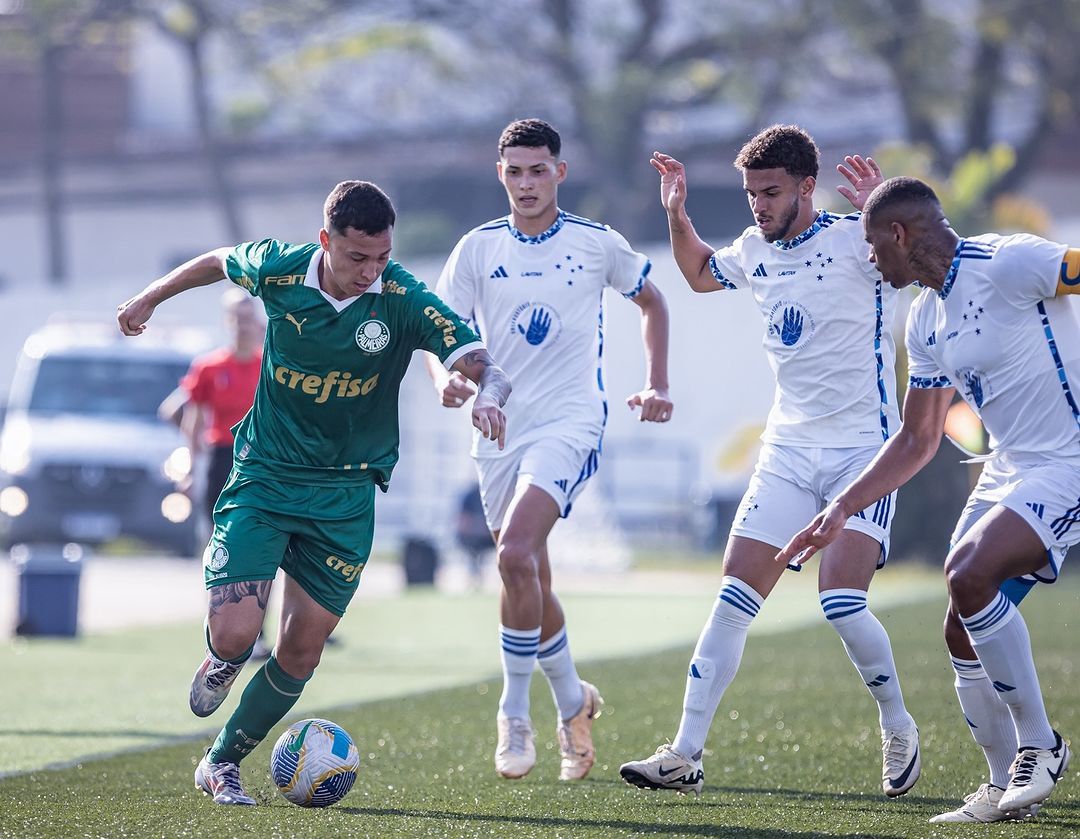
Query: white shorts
[
  {"x": 559, "y": 468},
  {"x": 791, "y": 485},
  {"x": 1043, "y": 490}
]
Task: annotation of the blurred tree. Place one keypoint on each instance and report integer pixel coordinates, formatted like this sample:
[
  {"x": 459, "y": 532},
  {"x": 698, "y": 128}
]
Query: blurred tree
[
  {"x": 612, "y": 73},
  {"x": 48, "y": 31},
  {"x": 190, "y": 24},
  {"x": 967, "y": 75}
]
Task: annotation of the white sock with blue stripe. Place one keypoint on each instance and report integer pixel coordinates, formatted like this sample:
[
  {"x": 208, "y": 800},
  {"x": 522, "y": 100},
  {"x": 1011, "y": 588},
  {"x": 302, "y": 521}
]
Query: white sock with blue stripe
[
  {"x": 988, "y": 718},
  {"x": 1001, "y": 641},
  {"x": 715, "y": 662},
  {"x": 868, "y": 647},
  {"x": 519, "y": 648},
  {"x": 558, "y": 666}
]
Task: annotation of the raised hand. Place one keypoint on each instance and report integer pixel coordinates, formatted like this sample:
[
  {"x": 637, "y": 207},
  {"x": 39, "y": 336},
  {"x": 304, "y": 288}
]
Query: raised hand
[
  {"x": 863, "y": 174},
  {"x": 672, "y": 181}
]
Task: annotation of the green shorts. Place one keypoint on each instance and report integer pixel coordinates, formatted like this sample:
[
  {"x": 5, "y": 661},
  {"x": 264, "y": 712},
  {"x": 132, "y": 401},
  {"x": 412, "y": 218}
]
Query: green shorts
[{"x": 318, "y": 535}]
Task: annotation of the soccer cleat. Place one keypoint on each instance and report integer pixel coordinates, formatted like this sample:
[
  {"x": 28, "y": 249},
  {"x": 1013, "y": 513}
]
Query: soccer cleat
[
  {"x": 222, "y": 782},
  {"x": 515, "y": 755},
  {"x": 901, "y": 763},
  {"x": 575, "y": 736},
  {"x": 211, "y": 684},
  {"x": 982, "y": 806},
  {"x": 1034, "y": 774},
  {"x": 667, "y": 769}
]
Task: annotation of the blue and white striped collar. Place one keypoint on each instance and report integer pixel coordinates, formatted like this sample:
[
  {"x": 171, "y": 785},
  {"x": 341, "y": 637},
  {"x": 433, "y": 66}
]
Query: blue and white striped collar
[
  {"x": 814, "y": 228},
  {"x": 950, "y": 277},
  {"x": 560, "y": 220}
]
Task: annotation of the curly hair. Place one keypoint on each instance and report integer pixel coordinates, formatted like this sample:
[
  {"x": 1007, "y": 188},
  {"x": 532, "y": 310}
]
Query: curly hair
[
  {"x": 786, "y": 147},
  {"x": 358, "y": 204},
  {"x": 530, "y": 133}
]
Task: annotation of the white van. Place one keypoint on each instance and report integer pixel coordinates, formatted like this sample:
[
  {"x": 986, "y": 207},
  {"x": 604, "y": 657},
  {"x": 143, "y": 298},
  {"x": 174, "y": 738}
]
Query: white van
[{"x": 83, "y": 455}]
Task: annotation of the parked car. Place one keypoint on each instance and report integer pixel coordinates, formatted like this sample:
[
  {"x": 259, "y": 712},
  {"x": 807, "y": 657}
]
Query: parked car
[{"x": 83, "y": 454}]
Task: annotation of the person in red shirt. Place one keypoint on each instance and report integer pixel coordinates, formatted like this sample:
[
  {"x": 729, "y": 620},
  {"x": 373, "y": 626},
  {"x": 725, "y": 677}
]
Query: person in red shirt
[{"x": 220, "y": 388}]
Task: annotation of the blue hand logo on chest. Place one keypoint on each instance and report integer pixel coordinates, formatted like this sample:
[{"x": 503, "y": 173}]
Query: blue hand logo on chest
[
  {"x": 792, "y": 323},
  {"x": 791, "y": 330},
  {"x": 539, "y": 324},
  {"x": 536, "y": 322}
]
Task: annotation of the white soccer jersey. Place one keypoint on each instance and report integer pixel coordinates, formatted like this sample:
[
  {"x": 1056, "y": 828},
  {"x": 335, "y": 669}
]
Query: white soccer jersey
[
  {"x": 538, "y": 303},
  {"x": 828, "y": 337},
  {"x": 998, "y": 334}
]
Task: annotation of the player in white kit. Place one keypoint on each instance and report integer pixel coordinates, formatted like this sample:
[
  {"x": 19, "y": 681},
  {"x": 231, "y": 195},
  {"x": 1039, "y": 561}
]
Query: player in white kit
[
  {"x": 533, "y": 284},
  {"x": 991, "y": 323},
  {"x": 828, "y": 339}
]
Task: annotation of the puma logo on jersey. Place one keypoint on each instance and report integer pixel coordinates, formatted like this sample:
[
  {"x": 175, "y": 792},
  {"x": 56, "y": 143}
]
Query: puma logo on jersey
[{"x": 299, "y": 324}]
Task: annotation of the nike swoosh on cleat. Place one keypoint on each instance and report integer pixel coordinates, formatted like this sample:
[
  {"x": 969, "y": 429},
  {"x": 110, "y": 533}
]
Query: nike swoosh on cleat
[
  {"x": 899, "y": 782},
  {"x": 296, "y": 745},
  {"x": 664, "y": 774}
]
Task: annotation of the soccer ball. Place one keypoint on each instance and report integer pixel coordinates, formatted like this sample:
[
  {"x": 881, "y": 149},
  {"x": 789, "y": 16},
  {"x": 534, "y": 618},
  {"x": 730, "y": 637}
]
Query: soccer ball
[{"x": 314, "y": 763}]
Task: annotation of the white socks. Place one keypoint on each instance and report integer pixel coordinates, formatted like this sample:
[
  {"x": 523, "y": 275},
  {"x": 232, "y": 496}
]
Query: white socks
[
  {"x": 715, "y": 662},
  {"x": 558, "y": 665},
  {"x": 988, "y": 718},
  {"x": 1000, "y": 638},
  {"x": 868, "y": 647},
  {"x": 518, "y": 647}
]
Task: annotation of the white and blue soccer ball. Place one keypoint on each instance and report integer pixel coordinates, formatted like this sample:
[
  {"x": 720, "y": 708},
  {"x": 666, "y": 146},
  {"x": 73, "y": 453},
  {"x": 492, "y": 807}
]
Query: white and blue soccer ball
[{"x": 314, "y": 763}]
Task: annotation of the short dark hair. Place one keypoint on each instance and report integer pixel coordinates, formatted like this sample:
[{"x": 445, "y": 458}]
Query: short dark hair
[
  {"x": 786, "y": 147},
  {"x": 895, "y": 192},
  {"x": 530, "y": 133},
  {"x": 358, "y": 204}
]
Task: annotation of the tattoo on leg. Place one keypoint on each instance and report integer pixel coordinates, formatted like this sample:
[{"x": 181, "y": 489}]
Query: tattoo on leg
[{"x": 235, "y": 592}]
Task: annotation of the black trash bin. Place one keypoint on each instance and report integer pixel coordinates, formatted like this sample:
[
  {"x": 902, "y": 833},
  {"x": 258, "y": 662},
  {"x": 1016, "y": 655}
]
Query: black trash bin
[
  {"x": 48, "y": 585},
  {"x": 420, "y": 557}
]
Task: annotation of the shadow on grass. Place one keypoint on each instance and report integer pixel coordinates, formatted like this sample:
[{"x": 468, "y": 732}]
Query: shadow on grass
[{"x": 583, "y": 824}]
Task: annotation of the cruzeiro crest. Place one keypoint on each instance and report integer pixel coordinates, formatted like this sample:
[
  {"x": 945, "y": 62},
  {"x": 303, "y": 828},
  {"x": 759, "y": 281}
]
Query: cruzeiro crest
[
  {"x": 791, "y": 324},
  {"x": 372, "y": 336}
]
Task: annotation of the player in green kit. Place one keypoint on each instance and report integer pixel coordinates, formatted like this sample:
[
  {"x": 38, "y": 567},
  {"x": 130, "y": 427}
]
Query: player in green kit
[{"x": 344, "y": 321}]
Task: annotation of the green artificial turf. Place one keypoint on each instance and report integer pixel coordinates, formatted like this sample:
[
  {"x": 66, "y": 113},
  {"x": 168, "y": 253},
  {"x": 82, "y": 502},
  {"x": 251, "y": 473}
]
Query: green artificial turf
[{"x": 794, "y": 751}]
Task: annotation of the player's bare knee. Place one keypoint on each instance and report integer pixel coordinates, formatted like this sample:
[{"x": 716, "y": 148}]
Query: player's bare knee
[
  {"x": 298, "y": 660},
  {"x": 517, "y": 563},
  {"x": 967, "y": 586},
  {"x": 231, "y": 639}
]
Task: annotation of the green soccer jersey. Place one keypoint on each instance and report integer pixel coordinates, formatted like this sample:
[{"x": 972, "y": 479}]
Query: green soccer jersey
[{"x": 326, "y": 408}]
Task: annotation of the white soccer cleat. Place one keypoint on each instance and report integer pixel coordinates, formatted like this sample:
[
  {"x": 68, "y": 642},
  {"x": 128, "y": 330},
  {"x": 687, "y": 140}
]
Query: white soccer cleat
[
  {"x": 666, "y": 769},
  {"x": 1034, "y": 774},
  {"x": 222, "y": 782},
  {"x": 575, "y": 736},
  {"x": 211, "y": 684},
  {"x": 515, "y": 755},
  {"x": 901, "y": 763},
  {"x": 981, "y": 807}
]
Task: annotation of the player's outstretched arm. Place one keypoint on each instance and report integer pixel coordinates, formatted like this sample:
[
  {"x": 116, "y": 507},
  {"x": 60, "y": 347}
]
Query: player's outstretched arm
[
  {"x": 453, "y": 388},
  {"x": 691, "y": 252},
  {"x": 208, "y": 268},
  {"x": 899, "y": 460},
  {"x": 863, "y": 174},
  {"x": 654, "y": 401},
  {"x": 494, "y": 390}
]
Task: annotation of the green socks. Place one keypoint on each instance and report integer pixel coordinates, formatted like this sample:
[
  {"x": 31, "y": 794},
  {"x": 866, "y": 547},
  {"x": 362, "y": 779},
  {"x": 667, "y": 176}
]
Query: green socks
[{"x": 268, "y": 697}]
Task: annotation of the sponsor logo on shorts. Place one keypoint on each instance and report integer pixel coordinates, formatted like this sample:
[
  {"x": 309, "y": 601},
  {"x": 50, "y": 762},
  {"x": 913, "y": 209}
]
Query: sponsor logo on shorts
[
  {"x": 216, "y": 557},
  {"x": 221, "y": 576},
  {"x": 349, "y": 571},
  {"x": 372, "y": 336}
]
